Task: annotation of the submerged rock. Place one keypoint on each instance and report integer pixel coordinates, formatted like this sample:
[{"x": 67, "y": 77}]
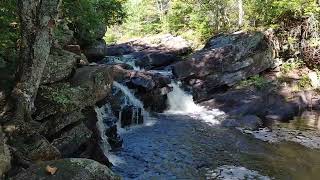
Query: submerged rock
[
  {"x": 235, "y": 173},
  {"x": 71, "y": 169},
  {"x": 250, "y": 122},
  {"x": 310, "y": 139}
]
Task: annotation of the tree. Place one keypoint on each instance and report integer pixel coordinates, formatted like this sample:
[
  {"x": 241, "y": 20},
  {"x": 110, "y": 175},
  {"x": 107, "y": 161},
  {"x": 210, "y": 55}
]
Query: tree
[
  {"x": 37, "y": 20},
  {"x": 241, "y": 13}
]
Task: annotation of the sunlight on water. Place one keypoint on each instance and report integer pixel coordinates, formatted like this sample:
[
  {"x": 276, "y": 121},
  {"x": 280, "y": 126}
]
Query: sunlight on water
[{"x": 182, "y": 103}]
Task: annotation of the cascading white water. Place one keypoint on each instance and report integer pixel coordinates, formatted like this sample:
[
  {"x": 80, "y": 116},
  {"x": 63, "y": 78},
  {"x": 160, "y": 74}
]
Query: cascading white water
[
  {"x": 182, "y": 103},
  {"x": 132, "y": 100},
  {"x": 102, "y": 113}
]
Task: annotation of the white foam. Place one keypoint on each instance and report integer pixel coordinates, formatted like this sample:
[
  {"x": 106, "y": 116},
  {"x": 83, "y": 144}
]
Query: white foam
[{"x": 182, "y": 103}]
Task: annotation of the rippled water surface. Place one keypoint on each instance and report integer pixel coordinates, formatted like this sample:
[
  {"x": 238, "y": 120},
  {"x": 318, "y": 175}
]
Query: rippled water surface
[{"x": 181, "y": 147}]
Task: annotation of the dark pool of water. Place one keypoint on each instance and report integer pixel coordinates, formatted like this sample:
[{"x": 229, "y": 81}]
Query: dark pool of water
[{"x": 179, "y": 147}]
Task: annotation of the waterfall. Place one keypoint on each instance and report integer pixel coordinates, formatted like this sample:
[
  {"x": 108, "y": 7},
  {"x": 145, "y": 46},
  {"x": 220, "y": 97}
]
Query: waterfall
[
  {"x": 138, "y": 107},
  {"x": 126, "y": 91},
  {"x": 103, "y": 113},
  {"x": 182, "y": 103}
]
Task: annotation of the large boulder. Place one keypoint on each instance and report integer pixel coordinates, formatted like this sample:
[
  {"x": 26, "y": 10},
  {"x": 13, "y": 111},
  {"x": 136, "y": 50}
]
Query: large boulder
[
  {"x": 225, "y": 60},
  {"x": 156, "y": 60},
  {"x": 71, "y": 169},
  {"x": 59, "y": 66},
  {"x": 53, "y": 125},
  {"x": 70, "y": 140},
  {"x": 96, "y": 51}
]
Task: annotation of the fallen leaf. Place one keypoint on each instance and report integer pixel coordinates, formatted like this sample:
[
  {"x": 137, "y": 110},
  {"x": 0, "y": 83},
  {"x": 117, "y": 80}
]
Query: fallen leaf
[{"x": 51, "y": 170}]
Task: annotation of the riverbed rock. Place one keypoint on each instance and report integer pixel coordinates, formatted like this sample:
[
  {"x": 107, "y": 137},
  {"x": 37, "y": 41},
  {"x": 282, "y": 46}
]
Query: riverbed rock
[
  {"x": 72, "y": 169},
  {"x": 250, "y": 122},
  {"x": 268, "y": 104},
  {"x": 96, "y": 51},
  {"x": 225, "y": 60},
  {"x": 156, "y": 60},
  {"x": 158, "y": 47},
  {"x": 150, "y": 87}
]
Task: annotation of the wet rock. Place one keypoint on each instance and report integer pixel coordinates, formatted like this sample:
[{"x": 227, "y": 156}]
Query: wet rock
[
  {"x": 151, "y": 88},
  {"x": 114, "y": 139},
  {"x": 96, "y": 52},
  {"x": 93, "y": 149},
  {"x": 159, "y": 50},
  {"x": 70, "y": 140},
  {"x": 119, "y": 49},
  {"x": 250, "y": 122},
  {"x": 5, "y": 156},
  {"x": 225, "y": 60},
  {"x": 234, "y": 172},
  {"x": 268, "y": 104},
  {"x": 131, "y": 115},
  {"x": 60, "y": 65},
  {"x": 156, "y": 60},
  {"x": 73, "y": 169},
  {"x": 309, "y": 139}
]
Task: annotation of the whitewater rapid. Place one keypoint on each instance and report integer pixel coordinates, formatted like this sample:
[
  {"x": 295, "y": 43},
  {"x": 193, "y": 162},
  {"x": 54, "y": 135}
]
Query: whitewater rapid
[{"x": 180, "y": 102}]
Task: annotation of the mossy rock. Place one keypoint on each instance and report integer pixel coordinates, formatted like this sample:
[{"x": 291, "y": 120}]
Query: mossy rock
[{"x": 71, "y": 169}]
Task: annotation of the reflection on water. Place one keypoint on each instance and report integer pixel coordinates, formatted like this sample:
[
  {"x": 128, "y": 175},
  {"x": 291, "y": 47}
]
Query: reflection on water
[
  {"x": 180, "y": 147},
  {"x": 309, "y": 120}
]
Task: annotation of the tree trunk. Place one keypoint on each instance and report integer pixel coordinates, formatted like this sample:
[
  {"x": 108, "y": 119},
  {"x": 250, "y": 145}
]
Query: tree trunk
[
  {"x": 241, "y": 13},
  {"x": 37, "y": 21}
]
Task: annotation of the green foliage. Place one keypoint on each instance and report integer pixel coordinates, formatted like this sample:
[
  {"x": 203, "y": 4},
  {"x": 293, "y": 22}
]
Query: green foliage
[
  {"x": 64, "y": 95},
  {"x": 291, "y": 65},
  {"x": 88, "y": 18},
  {"x": 256, "y": 81},
  {"x": 199, "y": 20},
  {"x": 9, "y": 35},
  {"x": 304, "y": 82}
]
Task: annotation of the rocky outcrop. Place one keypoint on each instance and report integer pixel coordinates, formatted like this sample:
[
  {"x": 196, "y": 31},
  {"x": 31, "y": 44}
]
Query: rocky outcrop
[
  {"x": 225, "y": 60},
  {"x": 150, "y": 52},
  {"x": 73, "y": 169},
  {"x": 59, "y": 66},
  {"x": 156, "y": 60},
  {"x": 270, "y": 104},
  {"x": 60, "y": 127}
]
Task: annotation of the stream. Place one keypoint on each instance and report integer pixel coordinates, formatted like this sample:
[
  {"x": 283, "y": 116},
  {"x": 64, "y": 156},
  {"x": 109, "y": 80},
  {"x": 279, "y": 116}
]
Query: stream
[{"x": 187, "y": 142}]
